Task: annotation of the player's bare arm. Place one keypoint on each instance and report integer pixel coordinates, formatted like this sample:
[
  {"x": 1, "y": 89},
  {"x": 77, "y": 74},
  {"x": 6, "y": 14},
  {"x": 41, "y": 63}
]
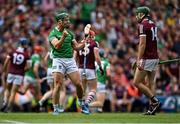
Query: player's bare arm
[
  {"x": 142, "y": 46},
  {"x": 78, "y": 46},
  {"x": 6, "y": 62},
  {"x": 58, "y": 43},
  {"x": 98, "y": 58}
]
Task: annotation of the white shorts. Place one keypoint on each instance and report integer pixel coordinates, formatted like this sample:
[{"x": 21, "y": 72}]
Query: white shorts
[
  {"x": 49, "y": 74},
  {"x": 149, "y": 64},
  {"x": 30, "y": 80},
  {"x": 101, "y": 88},
  {"x": 90, "y": 73},
  {"x": 15, "y": 79},
  {"x": 64, "y": 65}
]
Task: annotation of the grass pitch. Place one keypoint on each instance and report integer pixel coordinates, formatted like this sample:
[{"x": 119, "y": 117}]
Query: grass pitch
[{"x": 109, "y": 118}]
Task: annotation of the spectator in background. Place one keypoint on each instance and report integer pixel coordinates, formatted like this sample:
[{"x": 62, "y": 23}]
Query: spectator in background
[{"x": 16, "y": 19}]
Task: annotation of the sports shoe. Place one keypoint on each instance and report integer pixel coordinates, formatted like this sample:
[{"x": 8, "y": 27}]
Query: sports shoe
[
  {"x": 84, "y": 107},
  {"x": 153, "y": 108},
  {"x": 99, "y": 110},
  {"x": 3, "y": 107},
  {"x": 149, "y": 113},
  {"x": 58, "y": 110}
]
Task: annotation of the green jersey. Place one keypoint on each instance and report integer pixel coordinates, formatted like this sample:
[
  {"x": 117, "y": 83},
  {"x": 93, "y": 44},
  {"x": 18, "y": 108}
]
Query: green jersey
[
  {"x": 66, "y": 50},
  {"x": 35, "y": 59},
  {"x": 105, "y": 64}
]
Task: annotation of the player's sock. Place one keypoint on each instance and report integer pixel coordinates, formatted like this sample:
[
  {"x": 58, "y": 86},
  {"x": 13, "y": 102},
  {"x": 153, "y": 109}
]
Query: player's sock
[
  {"x": 154, "y": 99},
  {"x": 5, "y": 101},
  {"x": 56, "y": 107},
  {"x": 41, "y": 102},
  {"x": 81, "y": 102},
  {"x": 61, "y": 106},
  {"x": 90, "y": 97},
  {"x": 61, "y": 109}
]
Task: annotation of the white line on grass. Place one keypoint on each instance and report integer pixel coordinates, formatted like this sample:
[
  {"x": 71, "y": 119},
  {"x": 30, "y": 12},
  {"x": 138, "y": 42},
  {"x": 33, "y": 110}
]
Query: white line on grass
[{"x": 13, "y": 122}]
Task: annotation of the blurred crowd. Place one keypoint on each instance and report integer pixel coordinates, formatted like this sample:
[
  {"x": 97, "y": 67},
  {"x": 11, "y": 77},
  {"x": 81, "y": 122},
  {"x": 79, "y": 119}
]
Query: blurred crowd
[{"x": 116, "y": 31}]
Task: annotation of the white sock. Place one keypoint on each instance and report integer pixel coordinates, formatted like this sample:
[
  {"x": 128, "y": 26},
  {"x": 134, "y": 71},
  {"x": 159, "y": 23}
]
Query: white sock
[{"x": 55, "y": 106}]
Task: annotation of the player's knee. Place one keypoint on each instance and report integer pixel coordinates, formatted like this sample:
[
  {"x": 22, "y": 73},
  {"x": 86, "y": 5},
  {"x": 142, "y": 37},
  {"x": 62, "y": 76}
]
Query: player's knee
[
  {"x": 58, "y": 83},
  {"x": 77, "y": 82}
]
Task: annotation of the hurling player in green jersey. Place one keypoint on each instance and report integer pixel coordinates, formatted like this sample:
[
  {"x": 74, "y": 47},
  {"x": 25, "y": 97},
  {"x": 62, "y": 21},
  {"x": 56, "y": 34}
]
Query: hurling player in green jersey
[
  {"x": 102, "y": 81},
  {"x": 62, "y": 44}
]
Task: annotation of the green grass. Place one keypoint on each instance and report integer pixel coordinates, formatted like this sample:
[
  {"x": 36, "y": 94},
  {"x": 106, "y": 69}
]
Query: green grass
[{"x": 93, "y": 118}]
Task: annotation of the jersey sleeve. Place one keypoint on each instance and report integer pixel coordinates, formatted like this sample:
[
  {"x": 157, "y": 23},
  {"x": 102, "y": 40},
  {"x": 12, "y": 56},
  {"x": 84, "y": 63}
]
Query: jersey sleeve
[
  {"x": 96, "y": 44},
  {"x": 51, "y": 36},
  {"x": 141, "y": 30}
]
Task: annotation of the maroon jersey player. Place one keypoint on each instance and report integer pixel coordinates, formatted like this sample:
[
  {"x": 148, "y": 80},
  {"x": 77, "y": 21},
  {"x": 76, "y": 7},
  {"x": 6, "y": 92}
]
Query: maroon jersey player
[
  {"x": 147, "y": 59},
  {"x": 87, "y": 58},
  {"x": 148, "y": 28},
  {"x": 17, "y": 61}
]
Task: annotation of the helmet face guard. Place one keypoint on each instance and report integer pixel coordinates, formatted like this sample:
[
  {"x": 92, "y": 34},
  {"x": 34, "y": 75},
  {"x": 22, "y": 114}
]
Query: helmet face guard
[
  {"x": 140, "y": 17},
  {"x": 141, "y": 13}
]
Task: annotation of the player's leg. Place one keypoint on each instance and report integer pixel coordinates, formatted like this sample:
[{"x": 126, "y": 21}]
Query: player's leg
[
  {"x": 62, "y": 98},
  {"x": 100, "y": 98},
  {"x": 92, "y": 91},
  {"x": 8, "y": 87},
  {"x": 37, "y": 90},
  {"x": 3, "y": 80},
  {"x": 47, "y": 95},
  {"x": 27, "y": 81},
  {"x": 75, "y": 78},
  {"x": 16, "y": 84},
  {"x": 154, "y": 103},
  {"x": 6, "y": 96},
  {"x": 12, "y": 96},
  {"x": 58, "y": 82},
  {"x": 58, "y": 71},
  {"x": 74, "y": 75},
  {"x": 139, "y": 78}
]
